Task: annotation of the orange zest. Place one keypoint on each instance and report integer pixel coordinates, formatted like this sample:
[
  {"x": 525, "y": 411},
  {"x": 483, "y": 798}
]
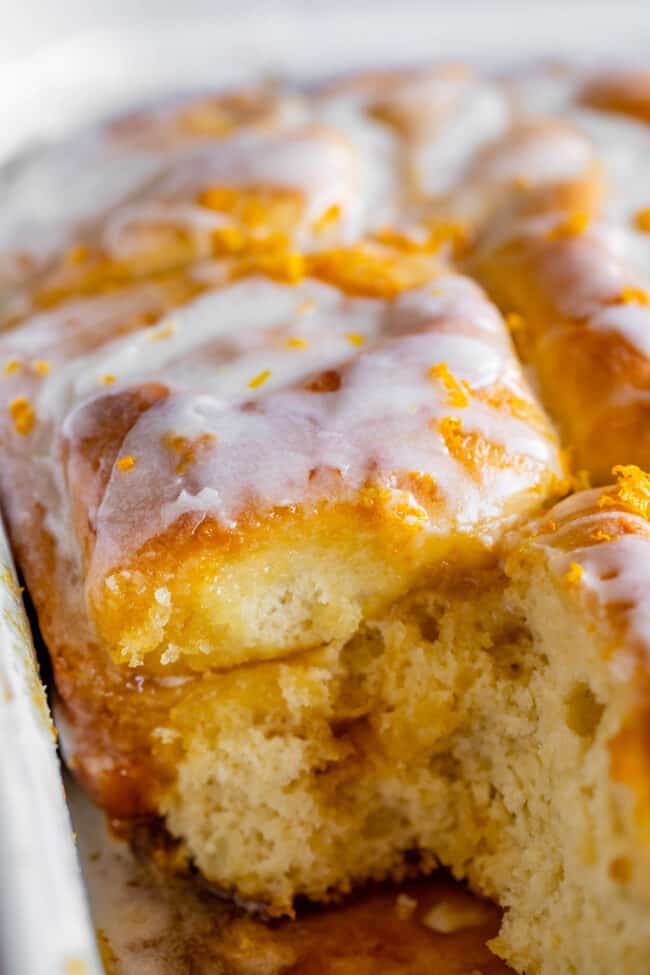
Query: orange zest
[
  {"x": 633, "y": 295},
  {"x": 573, "y": 226},
  {"x": 642, "y": 220},
  {"x": 260, "y": 379},
  {"x": 633, "y": 488},
  {"x": 23, "y": 415},
  {"x": 456, "y": 392},
  {"x": 574, "y": 574}
]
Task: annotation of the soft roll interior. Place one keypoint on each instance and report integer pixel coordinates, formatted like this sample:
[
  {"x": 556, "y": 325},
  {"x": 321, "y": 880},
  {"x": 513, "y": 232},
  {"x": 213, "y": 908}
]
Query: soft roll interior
[{"x": 460, "y": 728}]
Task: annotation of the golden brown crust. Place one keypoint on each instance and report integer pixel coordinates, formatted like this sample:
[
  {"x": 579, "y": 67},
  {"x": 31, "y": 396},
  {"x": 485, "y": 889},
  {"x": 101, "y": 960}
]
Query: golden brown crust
[
  {"x": 214, "y": 115},
  {"x": 110, "y": 719},
  {"x": 626, "y": 92},
  {"x": 597, "y": 546},
  {"x": 575, "y": 354},
  {"x": 593, "y": 537},
  {"x": 90, "y": 460},
  {"x": 571, "y": 301}
]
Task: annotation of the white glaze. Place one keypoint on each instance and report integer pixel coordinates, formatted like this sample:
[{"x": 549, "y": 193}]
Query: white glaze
[
  {"x": 59, "y": 195},
  {"x": 371, "y": 149},
  {"x": 615, "y": 576},
  {"x": 618, "y": 574},
  {"x": 380, "y": 424}
]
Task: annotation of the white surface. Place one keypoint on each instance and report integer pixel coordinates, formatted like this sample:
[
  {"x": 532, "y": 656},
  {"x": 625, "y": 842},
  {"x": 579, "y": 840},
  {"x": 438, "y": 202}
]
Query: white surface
[
  {"x": 44, "y": 925},
  {"x": 83, "y": 58}
]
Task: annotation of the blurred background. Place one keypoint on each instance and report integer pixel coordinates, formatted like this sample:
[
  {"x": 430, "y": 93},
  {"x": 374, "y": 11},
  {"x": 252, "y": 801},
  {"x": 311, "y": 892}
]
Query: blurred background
[{"x": 62, "y": 61}]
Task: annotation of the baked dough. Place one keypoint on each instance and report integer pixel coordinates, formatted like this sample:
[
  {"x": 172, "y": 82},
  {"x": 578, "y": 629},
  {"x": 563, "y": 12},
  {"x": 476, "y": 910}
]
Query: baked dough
[{"x": 285, "y": 496}]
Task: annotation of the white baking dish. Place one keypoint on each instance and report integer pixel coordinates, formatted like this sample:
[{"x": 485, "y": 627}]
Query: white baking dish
[{"x": 44, "y": 921}]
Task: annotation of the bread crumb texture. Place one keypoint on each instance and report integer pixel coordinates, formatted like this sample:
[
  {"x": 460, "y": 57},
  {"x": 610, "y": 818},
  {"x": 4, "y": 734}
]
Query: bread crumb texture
[{"x": 470, "y": 727}]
